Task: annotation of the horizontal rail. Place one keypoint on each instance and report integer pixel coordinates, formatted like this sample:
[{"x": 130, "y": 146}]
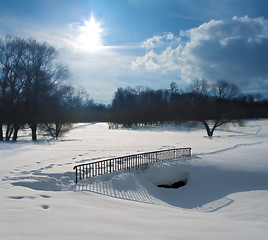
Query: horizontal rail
[{"x": 137, "y": 161}]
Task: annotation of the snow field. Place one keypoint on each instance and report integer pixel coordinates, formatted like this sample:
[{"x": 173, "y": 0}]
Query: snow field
[{"x": 225, "y": 197}]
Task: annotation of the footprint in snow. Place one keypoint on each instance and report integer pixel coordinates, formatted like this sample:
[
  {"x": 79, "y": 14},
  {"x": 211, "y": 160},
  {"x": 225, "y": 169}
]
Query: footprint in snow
[
  {"x": 45, "y": 196},
  {"x": 49, "y": 166},
  {"x": 21, "y": 197},
  {"x": 16, "y": 197},
  {"x": 45, "y": 206}
]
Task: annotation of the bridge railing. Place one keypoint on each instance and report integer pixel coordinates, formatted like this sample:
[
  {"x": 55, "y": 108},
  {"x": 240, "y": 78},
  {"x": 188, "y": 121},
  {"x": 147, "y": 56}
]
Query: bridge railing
[{"x": 96, "y": 168}]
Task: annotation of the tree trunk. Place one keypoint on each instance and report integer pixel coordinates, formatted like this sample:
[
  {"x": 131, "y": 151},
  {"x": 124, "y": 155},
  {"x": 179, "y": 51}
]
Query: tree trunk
[
  {"x": 9, "y": 131},
  {"x": 15, "y": 134},
  {"x": 34, "y": 129},
  {"x": 209, "y": 132},
  {"x": 1, "y": 132},
  {"x": 216, "y": 124},
  {"x": 58, "y": 129}
]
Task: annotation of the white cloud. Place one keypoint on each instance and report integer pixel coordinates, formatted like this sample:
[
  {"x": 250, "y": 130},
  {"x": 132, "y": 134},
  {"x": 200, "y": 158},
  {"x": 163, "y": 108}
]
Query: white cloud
[
  {"x": 160, "y": 41},
  {"x": 235, "y": 50},
  {"x": 151, "y": 42}
]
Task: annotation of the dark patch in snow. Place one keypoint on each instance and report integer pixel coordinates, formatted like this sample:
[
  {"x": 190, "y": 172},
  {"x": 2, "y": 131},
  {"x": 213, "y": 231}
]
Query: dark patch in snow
[
  {"x": 16, "y": 197},
  {"x": 49, "y": 166},
  {"x": 21, "y": 197},
  {"x": 45, "y": 207},
  {"x": 175, "y": 185},
  {"x": 45, "y": 196}
]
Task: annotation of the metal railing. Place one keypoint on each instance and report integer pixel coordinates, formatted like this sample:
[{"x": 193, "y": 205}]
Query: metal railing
[{"x": 137, "y": 161}]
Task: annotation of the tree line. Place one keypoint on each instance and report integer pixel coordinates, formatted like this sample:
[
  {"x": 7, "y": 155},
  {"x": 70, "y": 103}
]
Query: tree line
[
  {"x": 218, "y": 102},
  {"x": 35, "y": 93}
]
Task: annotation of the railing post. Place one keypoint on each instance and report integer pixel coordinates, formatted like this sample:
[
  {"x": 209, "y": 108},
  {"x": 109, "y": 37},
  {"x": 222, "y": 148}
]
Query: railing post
[
  {"x": 83, "y": 171},
  {"x": 76, "y": 180}
]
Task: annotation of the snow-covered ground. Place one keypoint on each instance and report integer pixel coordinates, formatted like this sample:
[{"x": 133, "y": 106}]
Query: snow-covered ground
[{"x": 226, "y": 196}]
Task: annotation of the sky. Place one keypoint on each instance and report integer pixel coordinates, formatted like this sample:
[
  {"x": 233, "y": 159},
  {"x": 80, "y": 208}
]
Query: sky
[{"x": 108, "y": 44}]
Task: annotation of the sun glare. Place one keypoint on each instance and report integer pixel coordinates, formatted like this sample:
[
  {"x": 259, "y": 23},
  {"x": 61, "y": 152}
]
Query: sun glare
[{"x": 89, "y": 38}]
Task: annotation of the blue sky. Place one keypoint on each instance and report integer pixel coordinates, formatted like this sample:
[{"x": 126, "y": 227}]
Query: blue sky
[{"x": 115, "y": 43}]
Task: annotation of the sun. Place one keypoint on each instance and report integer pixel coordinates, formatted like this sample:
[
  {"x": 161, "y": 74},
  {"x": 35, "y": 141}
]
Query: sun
[{"x": 89, "y": 38}]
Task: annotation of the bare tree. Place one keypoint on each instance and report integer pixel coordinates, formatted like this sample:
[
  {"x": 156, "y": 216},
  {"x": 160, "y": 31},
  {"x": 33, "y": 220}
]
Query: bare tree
[
  {"x": 56, "y": 129},
  {"x": 200, "y": 87},
  {"x": 174, "y": 88},
  {"x": 42, "y": 76},
  {"x": 213, "y": 102},
  {"x": 29, "y": 76},
  {"x": 224, "y": 90},
  {"x": 11, "y": 85},
  {"x": 66, "y": 101}
]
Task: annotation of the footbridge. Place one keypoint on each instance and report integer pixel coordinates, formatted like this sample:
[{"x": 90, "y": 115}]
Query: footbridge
[{"x": 135, "y": 161}]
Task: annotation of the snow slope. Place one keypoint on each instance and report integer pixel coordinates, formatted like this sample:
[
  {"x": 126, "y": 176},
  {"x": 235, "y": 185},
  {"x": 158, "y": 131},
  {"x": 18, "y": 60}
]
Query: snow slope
[{"x": 225, "y": 197}]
